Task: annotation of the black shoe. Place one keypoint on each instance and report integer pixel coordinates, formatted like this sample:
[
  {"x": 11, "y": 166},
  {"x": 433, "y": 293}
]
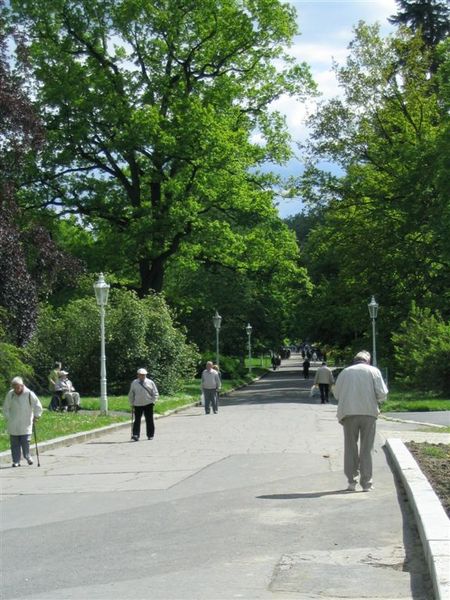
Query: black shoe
[
  {"x": 206, "y": 412},
  {"x": 150, "y": 437},
  {"x": 134, "y": 438},
  {"x": 215, "y": 412}
]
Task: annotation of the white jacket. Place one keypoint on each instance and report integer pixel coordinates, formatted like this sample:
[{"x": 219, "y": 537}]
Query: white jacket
[
  {"x": 324, "y": 375},
  {"x": 359, "y": 390},
  {"x": 20, "y": 410},
  {"x": 211, "y": 380}
]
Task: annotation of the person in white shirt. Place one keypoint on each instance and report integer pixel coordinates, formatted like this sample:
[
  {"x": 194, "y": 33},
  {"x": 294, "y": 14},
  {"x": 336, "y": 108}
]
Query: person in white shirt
[
  {"x": 70, "y": 397},
  {"x": 324, "y": 378},
  {"x": 21, "y": 408},
  {"x": 211, "y": 385},
  {"x": 359, "y": 390},
  {"x": 142, "y": 397}
]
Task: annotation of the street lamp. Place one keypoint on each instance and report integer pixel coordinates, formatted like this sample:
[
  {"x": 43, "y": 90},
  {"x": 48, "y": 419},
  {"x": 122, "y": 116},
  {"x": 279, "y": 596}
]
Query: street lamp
[
  {"x": 217, "y": 320},
  {"x": 248, "y": 329},
  {"x": 373, "y": 311},
  {"x": 101, "y": 294}
]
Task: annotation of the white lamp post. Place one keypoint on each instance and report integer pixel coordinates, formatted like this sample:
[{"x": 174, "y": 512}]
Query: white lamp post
[
  {"x": 217, "y": 320},
  {"x": 248, "y": 329},
  {"x": 101, "y": 294},
  {"x": 373, "y": 311}
]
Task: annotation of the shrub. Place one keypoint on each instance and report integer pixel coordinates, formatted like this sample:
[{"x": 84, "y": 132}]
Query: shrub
[
  {"x": 138, "y": 333},
  {"x": 422, "y": 351},
  {"x": 12, "y": 364}
]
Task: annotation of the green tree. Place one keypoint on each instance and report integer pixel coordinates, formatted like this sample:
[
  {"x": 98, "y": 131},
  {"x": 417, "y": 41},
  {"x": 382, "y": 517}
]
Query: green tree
[
  {"x": 150, "y": 108},
  {"x": 422, "y": 350},
  {"x": 429, "y": 17},
  {"x": 382, "y": 230}
]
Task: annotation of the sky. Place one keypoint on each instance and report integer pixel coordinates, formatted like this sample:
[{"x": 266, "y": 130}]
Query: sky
[{"x": 326, "y": 29}]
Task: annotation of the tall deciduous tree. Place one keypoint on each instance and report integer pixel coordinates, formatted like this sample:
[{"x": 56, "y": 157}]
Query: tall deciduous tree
[
  {"x": 383, "y": 230},
  {"x": 151, "y": 109}
]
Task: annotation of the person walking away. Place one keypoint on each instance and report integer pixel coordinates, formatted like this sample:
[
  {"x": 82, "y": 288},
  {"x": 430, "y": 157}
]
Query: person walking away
[
  {"x": 21, "y": 409},
  {"x": 70, "y": 397},
  {"x": 359, "y": 390},
  {"x": 211, "y": 385},
  {"x": 53, "y": 377},
  {"x": 274, "y": 361},
  {"x": 306, "y": 365},
  {"x": 324, "y": 378},
  {"x": 142, "y": 397}
]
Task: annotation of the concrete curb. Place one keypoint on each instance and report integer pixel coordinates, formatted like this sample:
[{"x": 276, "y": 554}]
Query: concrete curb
[
  {"x": 83, "y": 436},
  {"x": 432, "y": 521}
]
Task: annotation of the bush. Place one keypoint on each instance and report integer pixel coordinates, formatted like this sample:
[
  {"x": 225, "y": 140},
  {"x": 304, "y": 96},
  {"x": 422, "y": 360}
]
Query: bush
[
  {"x": 422, "y": 351},
  {"x": 11, "y": 365},
  {"x": 138, "y": 333}
]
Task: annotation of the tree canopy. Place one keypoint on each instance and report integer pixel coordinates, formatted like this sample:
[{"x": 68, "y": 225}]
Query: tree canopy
[{"x": 157, "y": 117}]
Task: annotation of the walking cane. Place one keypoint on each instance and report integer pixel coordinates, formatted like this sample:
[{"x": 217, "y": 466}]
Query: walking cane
[
  {"x": 35, "y": 442},
  {"x": 132, "y": 419}
]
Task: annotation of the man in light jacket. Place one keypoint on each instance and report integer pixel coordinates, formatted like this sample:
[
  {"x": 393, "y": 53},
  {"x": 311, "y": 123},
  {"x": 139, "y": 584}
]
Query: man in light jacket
[
  {"x": 142, "y": 397},
  {"x": 324, "y": 378},
  {"x": 211, "y": 385},
  {"x": 359, "y": 390},
  {"x": 20, "y": 409}
]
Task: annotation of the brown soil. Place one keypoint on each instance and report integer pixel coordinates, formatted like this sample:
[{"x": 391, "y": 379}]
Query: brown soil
[{"x": 435, "y": 468}]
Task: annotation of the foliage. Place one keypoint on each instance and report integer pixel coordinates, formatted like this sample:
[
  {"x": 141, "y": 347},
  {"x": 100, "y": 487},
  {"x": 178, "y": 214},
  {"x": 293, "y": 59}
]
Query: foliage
[
  {"x": 382, "y": 222},
  {"x": 430, "y": 17},
  {"x": 12, "y": 364},
  {"x": 422, "y": 350},
  {"x": 139, "y": 332},
  {"x": 150, "y": 111}
]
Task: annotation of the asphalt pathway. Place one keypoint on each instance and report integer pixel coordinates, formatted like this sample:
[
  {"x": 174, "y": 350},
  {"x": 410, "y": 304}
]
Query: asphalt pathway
[{"x": 248, "y": 503}]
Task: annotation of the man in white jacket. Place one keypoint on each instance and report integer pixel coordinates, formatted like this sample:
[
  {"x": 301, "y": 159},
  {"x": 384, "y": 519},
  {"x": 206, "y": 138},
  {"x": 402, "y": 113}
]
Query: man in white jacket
[
  {"x": 324, "y": 378},
  {"x": 20, "y": 409},
  {"x": 211, "y": 385},
  {"x": 359, "y": 390}
]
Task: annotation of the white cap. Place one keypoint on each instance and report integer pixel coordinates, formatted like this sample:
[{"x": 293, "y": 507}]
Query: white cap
[
  {"x": 363, "y": 355},
  {"x": 17, "y": 381},
  {"x": 141, "y": 372}
]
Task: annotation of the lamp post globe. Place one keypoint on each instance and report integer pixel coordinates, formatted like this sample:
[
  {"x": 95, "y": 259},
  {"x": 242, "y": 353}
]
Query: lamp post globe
[
  {"x": 101, "y": 289},
  {"x": 217, "y": 320},
  {"x": 373, "y": 312}
]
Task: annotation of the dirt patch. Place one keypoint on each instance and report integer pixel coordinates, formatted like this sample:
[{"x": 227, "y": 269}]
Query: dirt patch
[{"x": 434, "y": 462}]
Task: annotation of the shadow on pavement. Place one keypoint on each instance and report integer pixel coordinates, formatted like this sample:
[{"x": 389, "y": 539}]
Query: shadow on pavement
[{"x": 305, "y": 495}]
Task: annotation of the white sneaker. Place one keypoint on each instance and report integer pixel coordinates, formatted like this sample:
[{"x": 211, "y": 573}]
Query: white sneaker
[
  {"x": 368, "y": 488},
  {"x": 351, "y": 487}
]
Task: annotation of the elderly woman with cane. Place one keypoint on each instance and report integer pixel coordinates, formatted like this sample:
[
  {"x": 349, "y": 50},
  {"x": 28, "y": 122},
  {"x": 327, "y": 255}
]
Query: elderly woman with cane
[{"x": 21, "y": 409}]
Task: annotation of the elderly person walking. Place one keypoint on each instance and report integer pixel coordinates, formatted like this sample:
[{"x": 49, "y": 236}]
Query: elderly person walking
[
  {"x": 324, "y": 378},
  {"x": 142, "y": 397},
  {"x": 359, "y": 390},
  {"x": 211, "y": 385},
  {"x": 20, "y": 409}
]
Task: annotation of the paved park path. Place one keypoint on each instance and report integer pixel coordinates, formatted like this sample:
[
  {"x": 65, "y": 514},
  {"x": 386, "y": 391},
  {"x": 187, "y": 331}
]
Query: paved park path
[{"x": 248, "y": 503}]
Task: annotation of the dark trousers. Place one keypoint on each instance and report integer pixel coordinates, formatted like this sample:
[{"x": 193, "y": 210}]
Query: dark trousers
[
  {"x": 324, "y": 389},
  {"x": 148, "y": 413}
]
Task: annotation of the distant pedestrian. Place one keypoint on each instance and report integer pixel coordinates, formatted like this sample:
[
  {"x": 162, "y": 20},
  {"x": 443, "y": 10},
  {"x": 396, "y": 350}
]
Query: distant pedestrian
[
  {"x": 306, "y": 365},
  {"x": 324, "y": 378},
  {"x": 274, "y": 361},
  {"x": 142, "y": 396},
  {"x": 211, "y": 385},
  {"x": 53, "y": 376},
  {"x": 359, "y": 390},
  {"x": 21, "y": 409}
]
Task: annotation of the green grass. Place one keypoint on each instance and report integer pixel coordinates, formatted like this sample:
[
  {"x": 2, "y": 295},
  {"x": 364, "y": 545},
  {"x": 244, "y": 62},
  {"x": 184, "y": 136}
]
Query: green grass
[{"x": 400, "y": 400}]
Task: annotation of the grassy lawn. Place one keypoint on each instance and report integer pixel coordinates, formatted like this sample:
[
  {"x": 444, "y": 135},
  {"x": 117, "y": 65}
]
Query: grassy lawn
[
  {"x": 413, "y": 401},
  {"x": 55, "y": 424}
]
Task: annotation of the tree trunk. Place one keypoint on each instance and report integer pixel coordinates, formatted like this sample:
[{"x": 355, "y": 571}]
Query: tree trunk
[{"x": 152, "y": 276}]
